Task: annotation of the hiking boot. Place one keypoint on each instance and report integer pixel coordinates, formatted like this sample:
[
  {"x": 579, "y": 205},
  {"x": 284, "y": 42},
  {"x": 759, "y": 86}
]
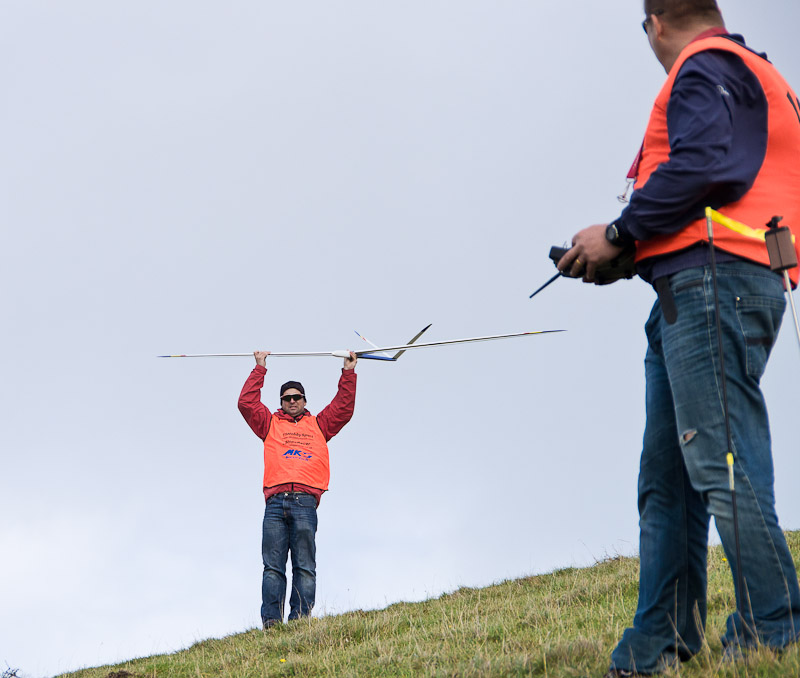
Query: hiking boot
[
  {"x": 624, "y": 673},
  {"x": 269, "y": 623}
]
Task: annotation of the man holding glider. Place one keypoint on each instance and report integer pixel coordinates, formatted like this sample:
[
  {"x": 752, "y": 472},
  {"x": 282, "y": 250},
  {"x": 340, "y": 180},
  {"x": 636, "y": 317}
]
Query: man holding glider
[
  {"x": 296, "y": 473},
  {"x": 724, "y": 132}
]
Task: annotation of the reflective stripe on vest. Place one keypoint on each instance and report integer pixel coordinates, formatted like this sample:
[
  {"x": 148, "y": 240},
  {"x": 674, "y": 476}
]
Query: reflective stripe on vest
[
  {"x": 296, "y": 453},
  {"x": 776, "y": 190}
]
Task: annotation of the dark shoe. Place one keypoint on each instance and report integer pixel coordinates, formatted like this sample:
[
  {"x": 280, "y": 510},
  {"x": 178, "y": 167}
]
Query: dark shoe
[
  {"x": 269, "y": 623},
  {"x": 624, "y": 673}
]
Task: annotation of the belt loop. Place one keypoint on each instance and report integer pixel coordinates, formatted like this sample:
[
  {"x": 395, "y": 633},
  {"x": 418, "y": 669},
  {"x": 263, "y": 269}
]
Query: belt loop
[{"x": 668, "y": 307}]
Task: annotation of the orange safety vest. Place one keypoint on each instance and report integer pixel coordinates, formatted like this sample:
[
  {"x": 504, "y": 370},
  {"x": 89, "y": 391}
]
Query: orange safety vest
[
  {"x": 776, "y": 190},
  {"x": 296, "y": 452}
]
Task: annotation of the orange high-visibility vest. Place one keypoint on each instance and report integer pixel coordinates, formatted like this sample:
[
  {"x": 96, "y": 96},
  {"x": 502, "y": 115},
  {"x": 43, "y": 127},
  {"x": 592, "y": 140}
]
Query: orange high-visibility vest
[
  {"x": 296, "y": 453},
  {"x": 776, "y": 191}
]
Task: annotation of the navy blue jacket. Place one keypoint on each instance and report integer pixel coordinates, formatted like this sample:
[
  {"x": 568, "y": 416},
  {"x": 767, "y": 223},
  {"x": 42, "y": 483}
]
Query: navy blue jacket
[{"x": 717, "y": 120}]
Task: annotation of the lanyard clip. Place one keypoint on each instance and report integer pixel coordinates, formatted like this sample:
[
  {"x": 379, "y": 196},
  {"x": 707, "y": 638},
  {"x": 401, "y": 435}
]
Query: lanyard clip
[{"x": 623, "y": 197}]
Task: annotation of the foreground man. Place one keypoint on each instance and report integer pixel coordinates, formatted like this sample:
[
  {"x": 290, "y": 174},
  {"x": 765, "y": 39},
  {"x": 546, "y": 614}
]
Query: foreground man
[
  {"x": 725, "y": 133},
  {"x": 296, "y": 473}
]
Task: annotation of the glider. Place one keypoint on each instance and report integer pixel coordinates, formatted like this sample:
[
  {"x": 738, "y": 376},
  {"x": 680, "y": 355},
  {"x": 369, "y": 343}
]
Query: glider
[{"x": 367, "y": 354}]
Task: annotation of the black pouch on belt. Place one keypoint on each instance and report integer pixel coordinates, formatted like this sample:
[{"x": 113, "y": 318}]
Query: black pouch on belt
[{"x": 668, "y": 307}]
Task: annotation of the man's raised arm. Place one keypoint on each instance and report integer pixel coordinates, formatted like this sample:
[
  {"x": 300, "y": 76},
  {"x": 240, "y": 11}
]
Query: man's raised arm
[
  {"x": 333, "y": 418},
  {"x": 253, "y": 410}
]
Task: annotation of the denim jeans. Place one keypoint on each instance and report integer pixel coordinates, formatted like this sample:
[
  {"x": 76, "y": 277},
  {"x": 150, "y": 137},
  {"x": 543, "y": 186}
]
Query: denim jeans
[
  {"x": 683, "y": 476},
  {"x": 290, "y": 524}
]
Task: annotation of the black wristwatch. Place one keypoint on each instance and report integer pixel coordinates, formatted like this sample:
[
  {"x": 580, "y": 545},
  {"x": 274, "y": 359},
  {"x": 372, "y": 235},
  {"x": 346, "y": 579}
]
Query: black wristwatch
[{"x": 615, "y": 237}]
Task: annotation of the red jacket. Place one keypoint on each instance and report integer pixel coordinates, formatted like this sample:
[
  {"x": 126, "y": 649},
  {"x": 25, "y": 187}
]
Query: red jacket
[{"x": 331, "y": 420}]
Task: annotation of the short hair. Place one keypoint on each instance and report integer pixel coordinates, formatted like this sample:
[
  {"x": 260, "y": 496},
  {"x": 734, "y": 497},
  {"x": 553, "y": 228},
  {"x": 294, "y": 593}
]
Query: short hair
[{"x": 684, "y": 13}]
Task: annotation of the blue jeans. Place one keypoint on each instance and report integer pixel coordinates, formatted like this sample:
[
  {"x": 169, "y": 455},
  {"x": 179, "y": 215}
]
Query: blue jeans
[
  {"x": 290, "y": 524},
  {"x": 683, "y": 476}
]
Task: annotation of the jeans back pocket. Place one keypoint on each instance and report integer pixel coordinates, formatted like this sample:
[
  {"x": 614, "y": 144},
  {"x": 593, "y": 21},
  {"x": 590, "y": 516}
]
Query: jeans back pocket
[{"x": 760, "y": 320}]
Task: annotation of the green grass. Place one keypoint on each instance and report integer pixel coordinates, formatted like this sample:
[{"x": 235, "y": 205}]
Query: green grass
[{"x": 562, "y": 624}]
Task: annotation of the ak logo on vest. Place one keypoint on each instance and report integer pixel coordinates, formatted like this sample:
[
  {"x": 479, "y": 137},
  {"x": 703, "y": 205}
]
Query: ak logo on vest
[{"x": 297, "y": 454}]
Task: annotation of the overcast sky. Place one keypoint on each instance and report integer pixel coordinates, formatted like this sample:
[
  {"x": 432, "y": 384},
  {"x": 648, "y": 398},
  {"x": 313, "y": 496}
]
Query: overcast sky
[{"x": 197, "y": 176}]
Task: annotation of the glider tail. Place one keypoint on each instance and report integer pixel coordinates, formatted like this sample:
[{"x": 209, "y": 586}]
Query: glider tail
[
  {"x": 384, "y": 356},
  {"x": 417, "y": 336}
]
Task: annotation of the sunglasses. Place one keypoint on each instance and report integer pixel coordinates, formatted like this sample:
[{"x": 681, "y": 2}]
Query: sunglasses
[
  {"x": 657, "y": 12},
  {"x": 294, "y": 397}
]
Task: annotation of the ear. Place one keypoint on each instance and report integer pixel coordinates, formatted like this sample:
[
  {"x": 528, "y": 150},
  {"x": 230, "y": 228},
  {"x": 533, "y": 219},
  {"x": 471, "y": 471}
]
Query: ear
[{"x": 658, "y": 26}]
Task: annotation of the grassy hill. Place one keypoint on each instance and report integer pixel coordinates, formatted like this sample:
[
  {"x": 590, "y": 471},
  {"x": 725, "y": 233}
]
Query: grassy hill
[{"x": 556, "y": 625}]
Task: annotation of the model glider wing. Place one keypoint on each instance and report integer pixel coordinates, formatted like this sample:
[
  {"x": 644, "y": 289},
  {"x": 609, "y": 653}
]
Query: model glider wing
[
  {"x": 295, "y": 354},
  {"x": 405, "y": 347}
]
